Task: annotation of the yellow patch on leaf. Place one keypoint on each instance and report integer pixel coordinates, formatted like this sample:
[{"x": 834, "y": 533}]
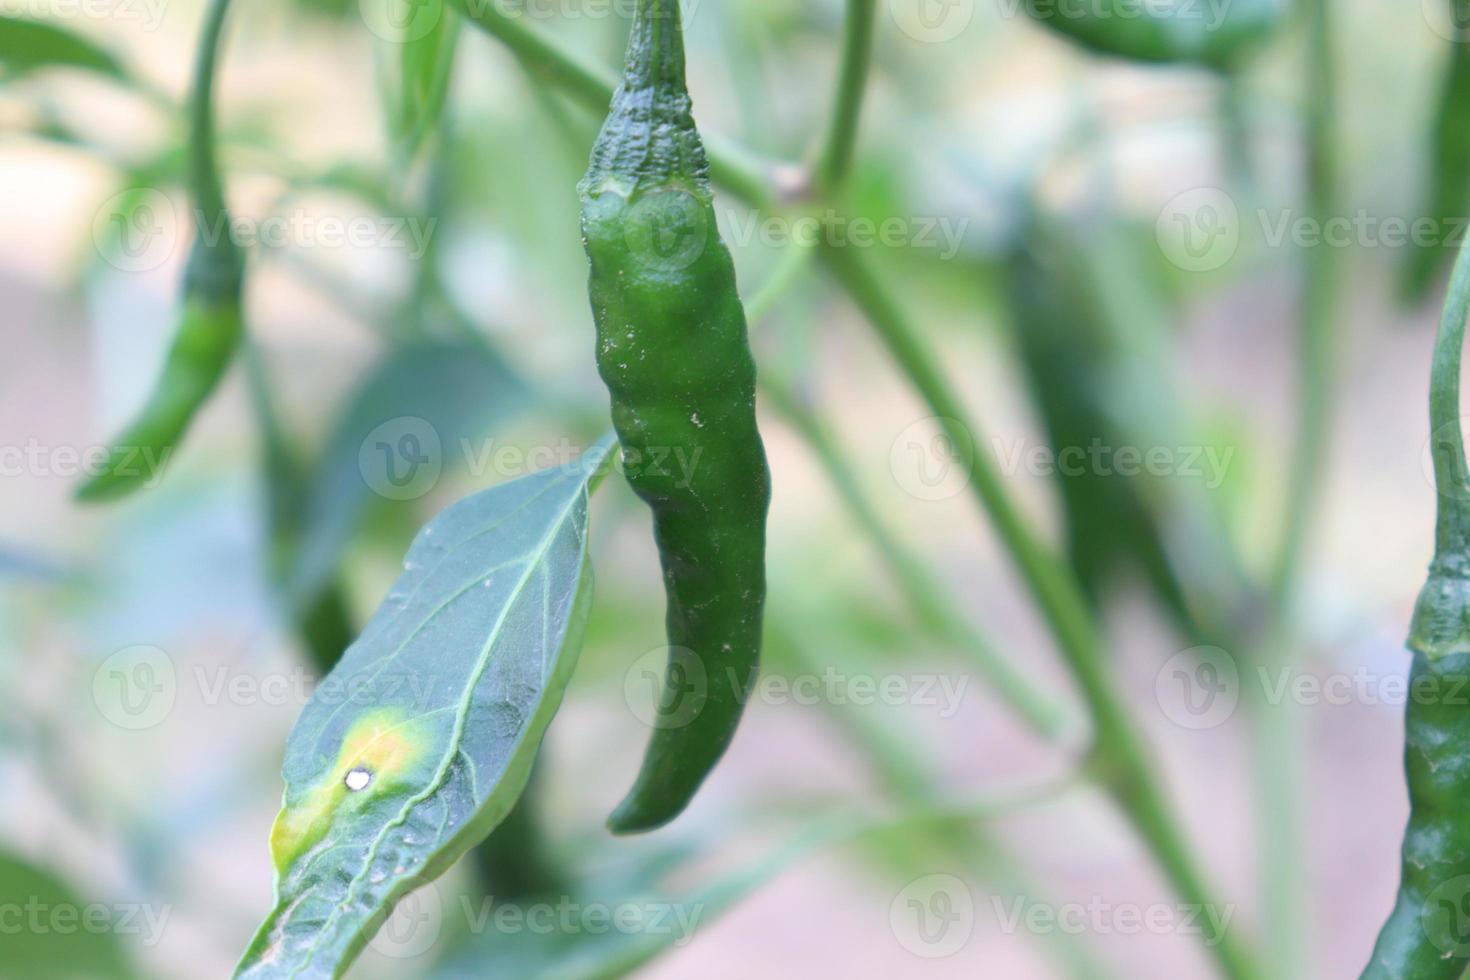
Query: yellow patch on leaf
[{"x": 378, "y": 751}]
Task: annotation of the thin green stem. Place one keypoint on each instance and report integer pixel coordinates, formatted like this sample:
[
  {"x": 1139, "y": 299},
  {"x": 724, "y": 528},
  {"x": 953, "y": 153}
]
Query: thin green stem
[
  {"x": 857, "y": 55},
  {"x": 1315, "y": 362},
  {"x": 730, "y": 167},
  {"x": 1278, "y": 733},
  {"x": 1123, "y": 764},
  {"x": 204, "y": 178},
  {"x": 1447, "y": 440}
]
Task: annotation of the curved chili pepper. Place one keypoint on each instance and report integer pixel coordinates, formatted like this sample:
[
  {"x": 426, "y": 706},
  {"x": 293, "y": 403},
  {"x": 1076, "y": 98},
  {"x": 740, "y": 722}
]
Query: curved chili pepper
[
  {"x": 673, "y": 352},
  {"x": 1213, "y": 35},
  {"x": 1426, "y": 937},
  {"x": 1065, "y": 346},
  {"x": 210, "y": 326}
]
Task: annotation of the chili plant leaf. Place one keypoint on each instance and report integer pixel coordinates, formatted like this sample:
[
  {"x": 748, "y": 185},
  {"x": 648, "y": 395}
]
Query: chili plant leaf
[
  {"x": 26, "y": 45},
  {"x": 421, "y": 739}
]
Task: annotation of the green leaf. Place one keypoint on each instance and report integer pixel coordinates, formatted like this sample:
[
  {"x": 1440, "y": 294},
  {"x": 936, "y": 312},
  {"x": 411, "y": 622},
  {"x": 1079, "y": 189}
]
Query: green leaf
[
  {"x": 47, "y": 934},
  {"x": 27, "y": 45},
  {"x": 666, "y": 920},
  {"x": 440, "y": 392},
  {"x": 421, "y": 739},
  {"x": 418, "y": 81}
]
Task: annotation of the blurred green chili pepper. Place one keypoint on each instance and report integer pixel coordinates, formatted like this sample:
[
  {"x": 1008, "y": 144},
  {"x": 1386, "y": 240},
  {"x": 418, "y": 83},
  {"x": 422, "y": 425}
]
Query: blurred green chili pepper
[
  {"x": 1427, "y": 936},
  {"x": 1448, "y": 167},
  {"x": 210, "y": 326},
  {"x": 1066, "y": 351},
  {"x": 1209, "y": 34},
  {"x": 673, "y": 351}
]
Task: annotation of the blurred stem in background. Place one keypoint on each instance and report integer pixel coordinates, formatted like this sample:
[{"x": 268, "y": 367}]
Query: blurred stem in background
[
  {"x": 905, "y": 774},
  {"x": 1280, "y": 735},
  {"x": 1122, "y": 763},
  {"x": 835, "y": 163}
]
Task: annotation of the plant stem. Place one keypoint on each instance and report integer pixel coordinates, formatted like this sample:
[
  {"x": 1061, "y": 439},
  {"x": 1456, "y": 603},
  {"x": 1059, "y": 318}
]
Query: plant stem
[
  {"x": 204, "y": 179},
  {"x": 1122, "y": 762},
  {"x": 857, "y": 49},
  {"x": 1279, "y": 732},
  {"x": 1447, "y": 440},
  {"x": 1315, "y": 361},
  {"x": 732, "y": 168}
]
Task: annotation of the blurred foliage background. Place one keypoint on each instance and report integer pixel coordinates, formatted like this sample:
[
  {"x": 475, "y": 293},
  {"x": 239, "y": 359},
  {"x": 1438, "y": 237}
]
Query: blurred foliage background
[{"x": 1054, "y": 171}]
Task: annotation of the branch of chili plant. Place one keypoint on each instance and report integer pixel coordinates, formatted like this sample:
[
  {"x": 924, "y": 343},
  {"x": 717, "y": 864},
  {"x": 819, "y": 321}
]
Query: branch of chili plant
[
  {"x": 936, "y": 610},
  {"x": 1123, "y": 764}
]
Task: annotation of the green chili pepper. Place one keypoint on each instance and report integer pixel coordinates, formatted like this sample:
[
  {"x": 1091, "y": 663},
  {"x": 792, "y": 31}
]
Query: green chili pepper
[
  {"x": 1213, "y": 35},
  {"x": 673, "y": 351},
  {"x": 1067, "y": 352},
  {"x": 1425, "y": 937},
  {"x": 210, "y": 326},
  {"x": 1449, "y": 164}
]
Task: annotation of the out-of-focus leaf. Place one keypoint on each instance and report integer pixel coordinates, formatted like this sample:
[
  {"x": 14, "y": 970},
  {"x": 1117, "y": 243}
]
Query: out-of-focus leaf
[
  {"x": 55, "y": 932},
  {"x": 418, "y": 81},
  {"x": 28, "y": 45},
  {"x": 410, "y": 417},
  {"x": 650, "y": 921},
  {"x": 453, "y": 684}
]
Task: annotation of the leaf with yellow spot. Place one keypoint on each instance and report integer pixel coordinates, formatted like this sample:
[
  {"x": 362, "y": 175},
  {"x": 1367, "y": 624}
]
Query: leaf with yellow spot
[{"x": 421, "y": 739}]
